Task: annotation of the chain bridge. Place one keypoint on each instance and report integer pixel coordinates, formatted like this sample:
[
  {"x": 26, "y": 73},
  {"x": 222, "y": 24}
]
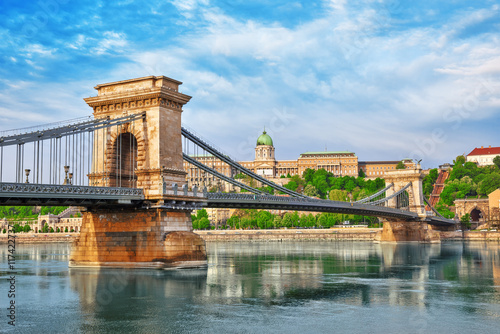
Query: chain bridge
[{"x": 124, "y": 164}]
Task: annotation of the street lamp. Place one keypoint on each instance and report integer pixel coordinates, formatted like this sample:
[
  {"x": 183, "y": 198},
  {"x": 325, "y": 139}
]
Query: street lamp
[
  {"x": 27, "y": 172},
  {"x": 66, "y": 170}
]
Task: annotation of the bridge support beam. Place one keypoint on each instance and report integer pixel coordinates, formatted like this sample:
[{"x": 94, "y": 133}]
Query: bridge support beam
[
  {"x": 138, "y": 238},
  {"x": 403, "y": 231}
]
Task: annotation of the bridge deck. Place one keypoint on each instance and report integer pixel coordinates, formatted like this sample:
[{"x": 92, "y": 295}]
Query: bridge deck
[{"x": 47, "y": 194}]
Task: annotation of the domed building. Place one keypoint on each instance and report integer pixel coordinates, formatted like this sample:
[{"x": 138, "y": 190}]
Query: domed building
[
  {"x": 265, "y": 163},
  {"x": 339, "y": 163}
]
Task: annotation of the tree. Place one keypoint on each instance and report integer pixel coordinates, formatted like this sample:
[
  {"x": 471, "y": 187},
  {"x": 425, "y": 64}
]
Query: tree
[
  {"x": 496, "y": 161},
  {"x": 58, "y": 230},
  {"x": 264, "y": 219},
  {"x": 361, "y": 173},
  {"x": 291, "y": 185},
  {"x": 203, "y": 223},
  {"x": 489, "y": 184},
  {"x": 287, "y": 220},
  {"x": 277, "y": 221},
  {"x": 465, "y": 221},
  {"x": 66, "y": 229},
  {"x": 45, "y": 228},
  {"x": 308, "y": 175},
  {"x": 51, "y": 230},
  {"x": 400, "y": 165},
  {"x": 338, "y": 195},
  {"x": 27, "y": 228},
  {"x": 310, "y": 190}
]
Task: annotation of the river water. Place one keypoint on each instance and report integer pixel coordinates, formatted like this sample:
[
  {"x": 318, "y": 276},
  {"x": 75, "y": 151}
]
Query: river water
[{"x": 274, "y": 287}]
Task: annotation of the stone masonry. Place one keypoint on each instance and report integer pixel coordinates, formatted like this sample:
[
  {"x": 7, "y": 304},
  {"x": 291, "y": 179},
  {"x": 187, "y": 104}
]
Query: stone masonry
[{"x": 147, "y": 154}]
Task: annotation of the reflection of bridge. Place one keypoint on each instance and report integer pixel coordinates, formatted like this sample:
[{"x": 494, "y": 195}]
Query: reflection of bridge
[{"x": 125, "y": 166}]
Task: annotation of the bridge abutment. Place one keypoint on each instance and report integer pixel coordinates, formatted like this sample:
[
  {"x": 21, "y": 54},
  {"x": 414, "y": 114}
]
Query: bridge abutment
[
  {"x": 403, "y": 231},
  {"x": 138, "y": 238}
]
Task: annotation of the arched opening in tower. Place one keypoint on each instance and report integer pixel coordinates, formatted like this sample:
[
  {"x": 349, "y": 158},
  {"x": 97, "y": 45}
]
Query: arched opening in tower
[
  {"x": 125, "y": 156},
  {"x": 475, "y": 215}
]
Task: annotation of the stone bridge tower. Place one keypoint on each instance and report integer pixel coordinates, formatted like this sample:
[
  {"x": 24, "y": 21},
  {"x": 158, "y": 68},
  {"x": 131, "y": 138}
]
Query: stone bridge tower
[
  {"x": 418, "y": 229},
  {"x": 146, "y": 154},
  {"x": 154, "y": 142},
  {"x": 400, "y": 178}
]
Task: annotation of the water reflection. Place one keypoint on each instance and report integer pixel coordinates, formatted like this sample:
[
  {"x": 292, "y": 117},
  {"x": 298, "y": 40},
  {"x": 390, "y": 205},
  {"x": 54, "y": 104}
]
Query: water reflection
[{"x": 265, "y": 284}]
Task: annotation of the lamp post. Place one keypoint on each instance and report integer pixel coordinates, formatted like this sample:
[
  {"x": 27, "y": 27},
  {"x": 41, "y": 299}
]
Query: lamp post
[
  {"x": 27, "y": 172},
  {"x": 66, "y": 170},
  {"x": 70, "y": 178}
]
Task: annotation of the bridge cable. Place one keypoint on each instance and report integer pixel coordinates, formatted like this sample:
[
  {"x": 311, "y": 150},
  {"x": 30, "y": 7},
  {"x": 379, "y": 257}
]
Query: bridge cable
[
  {"x": 237, "y": 166},
  {"x": 391, "y": 196},
  {"x": 219, "y": 175},
  {"x": 366, "y": 199}
]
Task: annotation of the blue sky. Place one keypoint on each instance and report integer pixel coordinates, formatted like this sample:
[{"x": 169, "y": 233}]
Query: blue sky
[{"x": 384, "y": 79}]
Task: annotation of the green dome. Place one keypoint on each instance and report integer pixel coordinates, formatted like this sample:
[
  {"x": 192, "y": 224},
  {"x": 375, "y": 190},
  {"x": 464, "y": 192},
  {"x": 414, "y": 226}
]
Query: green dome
[{"x": 264, "y": 139}]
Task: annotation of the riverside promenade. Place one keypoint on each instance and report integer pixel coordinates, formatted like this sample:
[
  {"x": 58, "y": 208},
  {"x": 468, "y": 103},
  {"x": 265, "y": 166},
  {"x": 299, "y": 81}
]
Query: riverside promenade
[{"x": 357, "y": 234}]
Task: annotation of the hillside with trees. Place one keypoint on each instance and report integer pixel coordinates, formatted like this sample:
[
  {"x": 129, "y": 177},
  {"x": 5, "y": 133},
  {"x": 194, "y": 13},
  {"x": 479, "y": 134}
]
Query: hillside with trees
[
  {"x": 28, "y": 212},
  {"x": 467, "y": 180}
]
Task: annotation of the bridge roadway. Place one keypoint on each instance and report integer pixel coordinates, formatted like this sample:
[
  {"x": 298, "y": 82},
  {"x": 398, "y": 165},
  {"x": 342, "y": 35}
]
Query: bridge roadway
[
  {"x": 246, "y": 201},
  {"x": 42, "y": 194}
]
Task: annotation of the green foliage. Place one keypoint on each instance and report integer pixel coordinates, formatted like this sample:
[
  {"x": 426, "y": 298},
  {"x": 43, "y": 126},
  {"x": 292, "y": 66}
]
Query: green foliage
[
  {"x": 496, "y": 161},
  {"x": 27, "y": 228},
  {"x": 291, "y": 185},
  {"x": 72, "y": 230},
  {"x": 45, "y": 228},
  {"x": 465, "y": 220},
  {"x": 58, "y": 230},
  {"x": 288, "y": 175},
  {"x": 339, "y": 195},
  {"x": 361, "y": 173},
  {"x": 4, "y": 231},
  {"x": 267, "y": 189},
  {"x": 429, "y": 180},
  {"x": 400, "y": 165},
  {"x": 311, "y": 191},
  {"x": 66, "y": 229},
  {"x": 203, "y": 223},
  {"x": 467, "y": 179},
  {"x": 264, "y": 220},
  {"x": 282, "y": 177},
  {"x": 240, "y": 176},
  {"x": 51, "y": 230},
  {"x": 460, "y": 160},
  {"x": 308, "y": 175},
  {"x": 489, "y": 184}
]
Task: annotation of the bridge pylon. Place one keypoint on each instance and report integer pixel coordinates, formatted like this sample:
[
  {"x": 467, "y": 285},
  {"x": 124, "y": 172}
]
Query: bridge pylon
[
  {"x": 145, "y": 153},
  {"x": 401, "y": 230}
]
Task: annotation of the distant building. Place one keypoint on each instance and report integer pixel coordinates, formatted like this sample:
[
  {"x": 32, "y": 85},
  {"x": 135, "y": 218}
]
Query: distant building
[
  {"x": 374, "y": 169},
  {"x": 483, "y": 156},
  {"x": 339, "y": 163}
]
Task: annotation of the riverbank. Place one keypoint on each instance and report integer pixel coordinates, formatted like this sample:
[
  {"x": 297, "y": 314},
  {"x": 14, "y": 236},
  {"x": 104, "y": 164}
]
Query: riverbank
[
  {"x": 34, "y": 238},
  {"x": 358, "y": 234}
]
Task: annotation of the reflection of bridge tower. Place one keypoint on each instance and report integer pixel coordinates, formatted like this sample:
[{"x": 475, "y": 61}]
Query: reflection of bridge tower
[
  {"x": 400, "y": 178},
  {"x": 146, "y": 154}
]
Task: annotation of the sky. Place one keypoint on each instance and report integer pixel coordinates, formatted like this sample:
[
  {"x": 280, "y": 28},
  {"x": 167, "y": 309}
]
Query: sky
[{"x": 385, "y": 79}]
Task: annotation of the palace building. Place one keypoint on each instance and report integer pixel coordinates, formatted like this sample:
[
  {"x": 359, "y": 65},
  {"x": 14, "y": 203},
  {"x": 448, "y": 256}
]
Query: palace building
[{"x": 339, "y": 163}]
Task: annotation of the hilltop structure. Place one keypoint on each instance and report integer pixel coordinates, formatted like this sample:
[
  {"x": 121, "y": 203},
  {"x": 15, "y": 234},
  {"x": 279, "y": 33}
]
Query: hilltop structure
[{"x": 339, "y": 163}]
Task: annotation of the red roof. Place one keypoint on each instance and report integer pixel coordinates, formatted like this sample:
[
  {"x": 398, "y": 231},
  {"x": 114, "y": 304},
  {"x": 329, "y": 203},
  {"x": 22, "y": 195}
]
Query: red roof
[{"x": 485, "y": 151}]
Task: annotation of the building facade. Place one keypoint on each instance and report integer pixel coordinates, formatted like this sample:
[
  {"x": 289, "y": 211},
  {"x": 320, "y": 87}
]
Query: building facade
[
  {"x": 339, "y": 163},
  {"x": 483, "y": 156}
]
